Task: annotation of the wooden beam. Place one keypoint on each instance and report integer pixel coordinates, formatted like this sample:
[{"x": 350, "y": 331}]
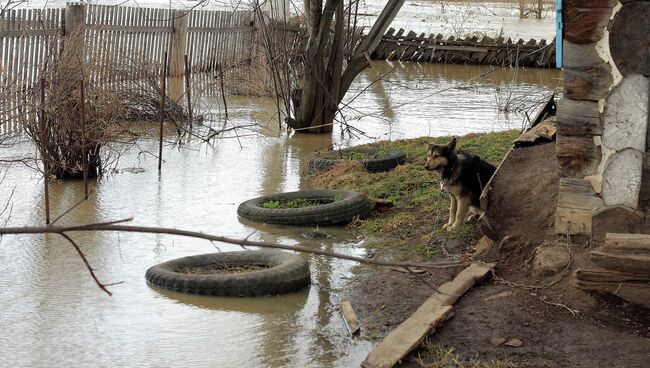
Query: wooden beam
[
  {"x": 350, "y": 318},
  {"x": 577, "y": 156},
  {"x": 585, "y": 20},
  {"x": 578, "y": 118},
  {"x": 586, "y": 75},
  {"x": 408, "y": 335}
]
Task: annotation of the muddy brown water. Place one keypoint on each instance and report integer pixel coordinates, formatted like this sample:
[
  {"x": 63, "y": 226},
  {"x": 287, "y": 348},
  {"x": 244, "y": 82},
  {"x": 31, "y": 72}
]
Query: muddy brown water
[{"x": 52, "y": 314}]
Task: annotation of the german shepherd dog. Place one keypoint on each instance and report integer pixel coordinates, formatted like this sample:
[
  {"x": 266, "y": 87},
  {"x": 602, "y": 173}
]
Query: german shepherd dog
[{"x": 463, "y": 176}]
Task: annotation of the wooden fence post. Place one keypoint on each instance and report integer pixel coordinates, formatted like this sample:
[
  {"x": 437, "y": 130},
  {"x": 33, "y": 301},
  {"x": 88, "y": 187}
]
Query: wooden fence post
[
  {"x": 177, "y": 55},
  {"x": 75, "y": 18}
]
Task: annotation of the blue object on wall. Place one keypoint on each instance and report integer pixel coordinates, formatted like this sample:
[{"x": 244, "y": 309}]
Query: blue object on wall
[{"x": 559, "y": 25}]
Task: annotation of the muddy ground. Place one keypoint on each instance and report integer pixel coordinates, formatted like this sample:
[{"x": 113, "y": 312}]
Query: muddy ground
[{"x": 559, "y": 325}]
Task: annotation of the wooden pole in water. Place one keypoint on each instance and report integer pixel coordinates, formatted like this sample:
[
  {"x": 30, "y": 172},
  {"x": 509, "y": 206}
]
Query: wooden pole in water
[
  {"x": 46, "y": 167},
  {"x": 162, "y": 109},
  {"x": 84, "y": 158},
  {"x": 188, "y": 70}
]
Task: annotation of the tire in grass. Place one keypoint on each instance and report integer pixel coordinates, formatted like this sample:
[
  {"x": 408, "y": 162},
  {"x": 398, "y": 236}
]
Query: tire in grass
[
  {"x": 390, "y": 159},
  {"x": 338, "y": 207},
  {"x": 283, "y": 273}
]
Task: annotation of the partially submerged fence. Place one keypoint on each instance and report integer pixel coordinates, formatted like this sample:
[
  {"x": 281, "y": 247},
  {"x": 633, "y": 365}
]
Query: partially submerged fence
[
  {"x": 30, "y": 38},
  {"x": 470, "y": 50}
]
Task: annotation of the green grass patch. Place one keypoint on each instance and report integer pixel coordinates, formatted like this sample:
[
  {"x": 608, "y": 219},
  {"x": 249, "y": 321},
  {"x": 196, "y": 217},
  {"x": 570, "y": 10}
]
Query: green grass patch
[{"x": 413, "y": 227}]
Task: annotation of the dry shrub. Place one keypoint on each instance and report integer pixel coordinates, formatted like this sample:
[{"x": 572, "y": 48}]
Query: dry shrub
[
  {"x": 118, "y": 89},
  {"x": 62, "y": 110}
]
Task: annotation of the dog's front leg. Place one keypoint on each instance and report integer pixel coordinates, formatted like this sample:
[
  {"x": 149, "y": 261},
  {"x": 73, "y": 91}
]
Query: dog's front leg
[
  {"x": 452, "y": 212},
  {"x": 461, "y": 212}
]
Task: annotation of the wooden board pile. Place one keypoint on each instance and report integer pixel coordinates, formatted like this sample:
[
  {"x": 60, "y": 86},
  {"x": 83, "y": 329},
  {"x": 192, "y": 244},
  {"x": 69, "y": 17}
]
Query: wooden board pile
[{"x": 625, "y": 272}]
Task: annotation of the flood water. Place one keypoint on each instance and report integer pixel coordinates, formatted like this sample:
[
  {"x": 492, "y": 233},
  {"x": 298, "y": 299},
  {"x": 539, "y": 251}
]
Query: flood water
[{"x": 52, "y": 313}]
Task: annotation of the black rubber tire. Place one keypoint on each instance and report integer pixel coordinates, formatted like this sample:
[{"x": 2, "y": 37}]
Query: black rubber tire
[
  {"x": 348, "y": 206},
  {"x": 390, "y": 160},
  {"x": 288, "y": 273}
]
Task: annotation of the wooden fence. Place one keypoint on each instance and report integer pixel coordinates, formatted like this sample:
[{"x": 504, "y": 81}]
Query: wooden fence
[
  {"x": 30, "y": 38},
  {"x": 471, "y": 50}
]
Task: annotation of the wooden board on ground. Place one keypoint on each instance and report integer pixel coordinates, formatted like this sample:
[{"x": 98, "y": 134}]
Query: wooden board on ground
[
  {"x": 351, "y": 321},
  {"x": 438, "y": 308},
  {"x": 623, "y": 261},
  {"x": 630, "y": 287}
]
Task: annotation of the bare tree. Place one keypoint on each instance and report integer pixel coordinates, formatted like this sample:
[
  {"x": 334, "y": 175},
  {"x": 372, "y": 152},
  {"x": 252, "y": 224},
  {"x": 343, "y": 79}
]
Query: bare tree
[{"x": 327, "y": 71}]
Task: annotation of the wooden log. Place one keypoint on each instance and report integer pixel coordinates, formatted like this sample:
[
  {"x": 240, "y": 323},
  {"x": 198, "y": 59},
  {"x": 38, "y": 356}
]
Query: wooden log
[
  {"x": 585, "y": 20},
  {"x": 600, "y": 275},
  {"x": 586, "y": 75},
  {"x": 578, "y": 118},
  {"x": 615, "y": 219},
  {"x": 576, "y": 203},
  {"x": 350, "y": 318},
  {"x": 625, "y": 119},
  {"x": 577, "y": 156},
  {"x": 629, "y": 38},
  {"x": 622, "y": 261},
  {"x": 637, "y": 292},
  {"x": 632, "y": 242},
  {"x": 622, "y": 178},
  {"x": 408, "y": 335}
]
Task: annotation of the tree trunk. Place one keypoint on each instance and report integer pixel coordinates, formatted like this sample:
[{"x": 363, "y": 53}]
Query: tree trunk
[{"x": 325, "y": 82}]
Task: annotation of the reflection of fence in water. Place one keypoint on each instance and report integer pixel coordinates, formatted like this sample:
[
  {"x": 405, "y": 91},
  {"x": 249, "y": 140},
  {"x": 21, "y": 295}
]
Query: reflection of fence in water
[{"x": 115, "y": 36}]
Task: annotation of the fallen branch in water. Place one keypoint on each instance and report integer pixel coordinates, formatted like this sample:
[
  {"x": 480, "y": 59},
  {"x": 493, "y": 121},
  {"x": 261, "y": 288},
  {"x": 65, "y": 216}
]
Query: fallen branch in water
[{"x": 116, "y": 226}]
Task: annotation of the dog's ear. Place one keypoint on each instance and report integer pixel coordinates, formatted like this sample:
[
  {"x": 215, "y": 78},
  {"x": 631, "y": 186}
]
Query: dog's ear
[{"x": 452, "y": 145}]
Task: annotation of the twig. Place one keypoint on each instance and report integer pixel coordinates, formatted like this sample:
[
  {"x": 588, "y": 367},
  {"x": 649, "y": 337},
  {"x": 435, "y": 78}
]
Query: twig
[
  {"x": 111, "y": 226},
  {"x": 543, "y": 299},
  {"x": 83, "y": 257}
]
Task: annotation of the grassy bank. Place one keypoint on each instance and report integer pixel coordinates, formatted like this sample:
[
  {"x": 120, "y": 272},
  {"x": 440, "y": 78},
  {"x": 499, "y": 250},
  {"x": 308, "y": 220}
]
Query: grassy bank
[{"x": 412, "y": 229}]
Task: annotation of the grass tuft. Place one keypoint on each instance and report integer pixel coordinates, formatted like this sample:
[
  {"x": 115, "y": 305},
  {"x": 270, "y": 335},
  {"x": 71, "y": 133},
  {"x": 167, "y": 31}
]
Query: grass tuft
[{"x": 412, "y": 229}]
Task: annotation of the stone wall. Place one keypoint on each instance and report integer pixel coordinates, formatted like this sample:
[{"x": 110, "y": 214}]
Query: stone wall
[{"x": 602, "y": 142}]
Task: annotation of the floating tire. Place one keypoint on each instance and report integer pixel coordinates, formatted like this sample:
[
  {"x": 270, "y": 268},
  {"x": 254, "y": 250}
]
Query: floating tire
[
  {"x": 339, "y": 207},
  {"x": 387, "y": 162},
  {"x": 286, "y": 273}
]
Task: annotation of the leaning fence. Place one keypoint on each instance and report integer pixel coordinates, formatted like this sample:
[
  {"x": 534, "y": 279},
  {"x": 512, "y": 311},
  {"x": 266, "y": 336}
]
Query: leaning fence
[{"x": 32, "y": 38}]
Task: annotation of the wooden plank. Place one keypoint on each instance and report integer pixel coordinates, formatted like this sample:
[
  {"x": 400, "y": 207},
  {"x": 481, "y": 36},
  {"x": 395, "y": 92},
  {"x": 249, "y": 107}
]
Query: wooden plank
[
  {"x": 632, "y": 242},
  {"x": 600, "y": 275},
  {"x": 631, "y": 288},
  {"x": 350, "y": 318},
  {"x": 622, "y": 261},
  {"x": 408, "y": 335}
]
